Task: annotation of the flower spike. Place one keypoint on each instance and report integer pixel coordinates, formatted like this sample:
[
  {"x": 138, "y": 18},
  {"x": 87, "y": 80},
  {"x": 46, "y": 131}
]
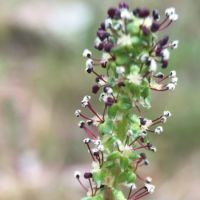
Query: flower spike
[{"x": 127, "y": 72}]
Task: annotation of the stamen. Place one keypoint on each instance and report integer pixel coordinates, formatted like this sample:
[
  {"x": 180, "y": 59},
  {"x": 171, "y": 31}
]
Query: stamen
[
  {"x": 89, "y": 133},
  {"x": 90, "y": 151},
  {"x": 93, "y": 111}
]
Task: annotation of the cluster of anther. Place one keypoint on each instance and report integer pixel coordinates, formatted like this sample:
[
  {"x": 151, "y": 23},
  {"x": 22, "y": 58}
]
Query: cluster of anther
[
  {"x": 96, "y": 151},
  {"x": 88, "y": 176},
  {"x": 113, "y": 33}
]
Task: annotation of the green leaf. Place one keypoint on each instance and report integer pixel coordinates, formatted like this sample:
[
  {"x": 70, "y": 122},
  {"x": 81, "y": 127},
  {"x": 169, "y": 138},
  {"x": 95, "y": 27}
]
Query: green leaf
[
  {"x": 118, "y": 195},
  {"x": 124, "y": 103},
  {"x": 134, "y": 69},
  {"x": 114, "y": 155},
  {"x": 127, "y": 176},
  {"x": 122, "y": 59},
  {"x": 133, "y": 28},
  {"x": 135, "y": 90},
  {"x": 133, "y": 156},
  {"x": 98, "y": 177},
  {"x": 112, "y": 111},
  {"x": 106, "y": 127},
  {"x": 124, "y": 162}
]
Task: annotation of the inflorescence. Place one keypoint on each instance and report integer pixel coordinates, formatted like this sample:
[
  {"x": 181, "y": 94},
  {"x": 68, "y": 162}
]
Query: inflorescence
[{"x": 116, "y": 137}]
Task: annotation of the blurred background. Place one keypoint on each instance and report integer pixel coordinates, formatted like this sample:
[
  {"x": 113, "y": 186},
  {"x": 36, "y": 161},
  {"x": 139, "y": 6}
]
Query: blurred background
[{"x": 42, "y": 81}]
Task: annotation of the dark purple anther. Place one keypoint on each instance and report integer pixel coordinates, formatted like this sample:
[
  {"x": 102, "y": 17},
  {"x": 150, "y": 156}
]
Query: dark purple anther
[
  {"x": 164, "y": 41},
  {"x": 156, "y": 15},
  {"x": 87, "y": 175},
  {"x": 98, "y": 79},
  {"x": 110, "y": 101},
  {"x": 143, "y": 121},
  {"x": 100, "y": 46},
  {"x": 103, "y": 64},
  {"x": 164, "y": 64},
  {"x": 145, "y": 30},
  {"x": 102, "y": 34},
  {"x": 117, "y": 14},
  {"x": 136, "y": 11},
  {"x": 149, "y": 145},
  {"x": 155, "y": 27},
  {"x": 158, "y": 51},
  {"x": 112, "y": 12},
  {"x": 121, "y": 84},
  {"x": 108, "y": 46},
  {"x": 95, "y": 89},
  {"x": 102, "y": 26},
  {"x": 143, "y": 13},
  {"x": 123, "y": 5}
]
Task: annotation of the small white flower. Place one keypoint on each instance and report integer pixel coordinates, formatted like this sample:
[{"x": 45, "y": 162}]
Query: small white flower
[
  {"x": 87, "y": 140},
  {"x": 77, "y": 113},
  {"x": 108, "y": 90},
  {"x": 148, "y": 179},
  {"x": 81, "y": 124},
  {"x": 134, "y": 78},
  {"x": 89, "y": 64},
  {"x": 108, "y": 23},
  {"x": 85, "y": 101},
  {"x": 167, "y": 114},
  {"x": 150, "y": 188},
  {"x": 120, "y": 70},
  {"x": 125, "y": 14},
  {"x": 87, "y": 53},
  {"x": 77, "y": 174},
  {"x": 147, "y": 22},
  {"x": 171, "y": 86},
  {"x": 173, "y": 17},
  {"x": 152, "y": 66},
  {"x": 174, "y": 44},
  {"x": 154, "y": 149},
  {"x": 165, "y": 54},
  {"x": 170, "y": 11},
  {"x": 158, "y": 130},
  {"x": 172, "y": 74},
  {"x": 174, "y": 80}
]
